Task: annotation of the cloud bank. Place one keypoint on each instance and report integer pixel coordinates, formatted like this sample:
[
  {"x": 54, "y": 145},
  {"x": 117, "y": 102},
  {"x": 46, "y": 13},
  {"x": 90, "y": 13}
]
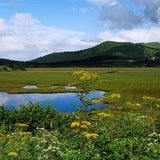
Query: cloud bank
[
  {"x": 24, "y": 38},
  {"x": 116, "y": 14}
]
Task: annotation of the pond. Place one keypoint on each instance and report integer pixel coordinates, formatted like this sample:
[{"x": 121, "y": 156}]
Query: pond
[{"x": 62, "y": 101}]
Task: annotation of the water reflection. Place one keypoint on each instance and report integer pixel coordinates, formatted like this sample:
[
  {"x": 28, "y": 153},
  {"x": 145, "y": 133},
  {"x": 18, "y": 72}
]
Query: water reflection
[
  {"x": 62, "y": 101},
  {"x": 30, "y": 86},
  {"x": 70, "y": 87}
]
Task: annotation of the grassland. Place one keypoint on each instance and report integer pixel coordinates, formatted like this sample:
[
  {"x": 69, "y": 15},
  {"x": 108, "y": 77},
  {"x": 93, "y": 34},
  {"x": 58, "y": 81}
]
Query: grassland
[{"x": 130, "y": 82}]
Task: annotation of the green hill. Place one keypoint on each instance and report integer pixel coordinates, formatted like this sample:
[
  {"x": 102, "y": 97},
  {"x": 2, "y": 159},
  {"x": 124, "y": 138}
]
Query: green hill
[
  {"x": 10, "y": 65},
  {"x": 107, "y": 54},
  {"x": 155, "y": 45}
]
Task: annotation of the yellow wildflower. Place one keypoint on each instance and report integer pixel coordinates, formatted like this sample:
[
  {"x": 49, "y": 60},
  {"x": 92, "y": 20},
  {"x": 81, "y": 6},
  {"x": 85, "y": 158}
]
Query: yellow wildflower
[
  {"x": 24, "y": 133},
  {"x": 21, "y": 125},
  {"x": 137, "y": 104},
  {"x": 90, "y": 135},
  {"x": 86, "y": 123},
  {"x": 115, "y": 95},
  {"x": 148, "y": 98},
  {"x": 85, "y": 75},
  {"x": 15, "y": 154},
  {"x": 84, "y": 126},
  {"x": 75, "y": 124},
  {"x": 129, "y": 104},
  {"x": 102, "y": 114},
  {"x": 101, "y": 99}
]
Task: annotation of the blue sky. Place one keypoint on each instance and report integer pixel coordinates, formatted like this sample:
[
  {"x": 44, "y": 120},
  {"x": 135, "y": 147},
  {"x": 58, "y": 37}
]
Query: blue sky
[{"x": 33, "y": 28}]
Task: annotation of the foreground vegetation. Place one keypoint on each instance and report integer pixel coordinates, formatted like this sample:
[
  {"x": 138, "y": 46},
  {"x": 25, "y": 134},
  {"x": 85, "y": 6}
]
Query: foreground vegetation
[
  {"x": 34, "y": 132},
  {"x": 128, "y": 129}
]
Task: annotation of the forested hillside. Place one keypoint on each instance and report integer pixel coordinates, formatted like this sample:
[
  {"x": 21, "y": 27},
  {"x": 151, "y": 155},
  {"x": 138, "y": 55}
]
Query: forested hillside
[{"x": 106, "y": 54}]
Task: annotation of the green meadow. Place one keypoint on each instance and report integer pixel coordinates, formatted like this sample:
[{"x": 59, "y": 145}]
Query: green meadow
[
  {"x": 129, "y": 129},
  {"x": 131, "y": 82}
]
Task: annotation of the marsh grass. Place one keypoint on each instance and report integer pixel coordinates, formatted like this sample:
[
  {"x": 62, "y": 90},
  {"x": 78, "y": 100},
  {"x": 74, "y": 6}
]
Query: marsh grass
[{"x": 130, "y": 82}]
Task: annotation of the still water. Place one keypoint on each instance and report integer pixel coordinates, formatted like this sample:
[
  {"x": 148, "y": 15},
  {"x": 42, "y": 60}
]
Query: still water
[{"x": 62, "y": 101}]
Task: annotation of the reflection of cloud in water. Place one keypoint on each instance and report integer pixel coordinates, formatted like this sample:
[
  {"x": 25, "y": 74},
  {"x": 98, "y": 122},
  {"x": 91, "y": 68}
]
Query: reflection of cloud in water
[
  {"x": 47, "y": 97},
  {"x": 3, "y": 98},
  {"x": 62, "y": 101}
]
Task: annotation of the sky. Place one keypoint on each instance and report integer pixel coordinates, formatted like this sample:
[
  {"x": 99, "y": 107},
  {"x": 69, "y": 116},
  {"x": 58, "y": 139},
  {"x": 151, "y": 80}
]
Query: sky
[{"x": 34, "y": 28}]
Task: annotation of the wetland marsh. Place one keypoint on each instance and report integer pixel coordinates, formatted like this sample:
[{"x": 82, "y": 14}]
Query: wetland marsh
[
  {"x": 124, "y": 130},
  {"x": 131, "y": 82}
]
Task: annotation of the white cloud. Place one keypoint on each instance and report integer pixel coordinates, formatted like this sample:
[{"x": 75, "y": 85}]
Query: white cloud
[
  {"x": 115, "y": 14},
  {"x": 3, "y": 98},
  {"x": 109, "y": 36},
  {"x": 118, "y": 16},
  {"x": 26, "y": 39},
  {"x": 103, "y": 2},
  {"x": 150, "y": 11},
  {"x": 81, "y": 10},
  {"x": 23, "y": 19},
  {"x": 134, "y": 35},
  {"x": 130, "y": 14},
  {"x": 2, "y": 24}
]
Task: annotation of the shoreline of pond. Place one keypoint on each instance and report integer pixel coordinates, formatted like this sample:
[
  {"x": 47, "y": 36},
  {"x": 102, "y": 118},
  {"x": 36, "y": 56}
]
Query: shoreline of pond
[{"x": 45, "y": 90}]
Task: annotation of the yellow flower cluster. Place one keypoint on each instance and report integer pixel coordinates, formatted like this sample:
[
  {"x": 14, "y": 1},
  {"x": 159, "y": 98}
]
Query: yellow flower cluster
[
  {"x": 129, "y": 104},
  {"x": 24, "y": 133},
  {"x": 115, "y": 95},
  {"x": 15, "y": 154},
  {"x": 75, "y": 124},
  {"x": 86, "y": 123},
  {"x": 85, "y": 75},
  {"x": 137, "y": 105},
  {"x": 90, "y": 135},
  {"x": 155, "y": 102},
  {"x": 104, "y": 115},
  {"x": 101, "y": 99},
  {"x": 21, "y": 125},
  {"x": 83, "y": 124},
  {"x": 149, "y": 98}
]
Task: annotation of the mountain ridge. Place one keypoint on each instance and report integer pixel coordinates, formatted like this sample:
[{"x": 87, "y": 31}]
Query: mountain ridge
[
  {"x": 108, "y": 50},
  {"x": 105, "y": 54}
]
